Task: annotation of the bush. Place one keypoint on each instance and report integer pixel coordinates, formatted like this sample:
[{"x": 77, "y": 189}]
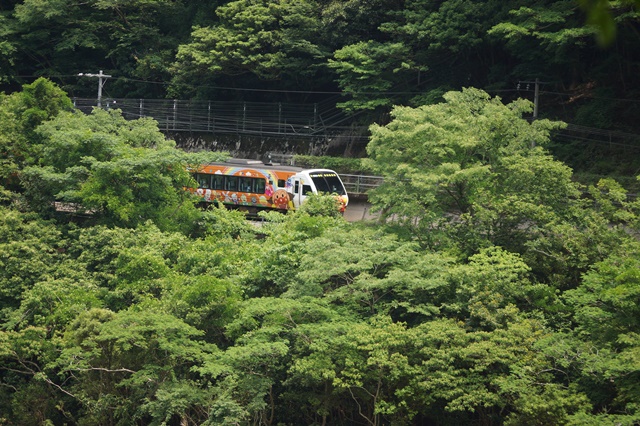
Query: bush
[{"x": 338, "y": 164}]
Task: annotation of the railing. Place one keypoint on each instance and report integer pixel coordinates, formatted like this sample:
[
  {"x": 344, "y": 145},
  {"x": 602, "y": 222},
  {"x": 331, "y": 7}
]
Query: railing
[
  {"x": 360, "y": 184},
  {"x": 289, "y": 120},
  {"x": 278, "y": 119},
  {"x": 354, "y": 184}
]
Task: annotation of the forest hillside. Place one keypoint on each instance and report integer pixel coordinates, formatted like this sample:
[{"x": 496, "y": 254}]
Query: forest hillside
[
  {"x": 361, "y": 56},
  {"x": 495, "y": 289},
  {"x": 367, "y": 55},
  {"x": 500, "y": 285}
]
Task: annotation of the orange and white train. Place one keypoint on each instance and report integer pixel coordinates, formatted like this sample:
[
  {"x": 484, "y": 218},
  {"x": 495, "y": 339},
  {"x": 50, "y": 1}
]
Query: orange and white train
[{"x": 252, "y": 185}]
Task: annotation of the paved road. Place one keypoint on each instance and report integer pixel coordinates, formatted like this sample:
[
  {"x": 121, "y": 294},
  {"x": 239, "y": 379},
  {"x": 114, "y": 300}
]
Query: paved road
[{"x": 358, "y": 210}]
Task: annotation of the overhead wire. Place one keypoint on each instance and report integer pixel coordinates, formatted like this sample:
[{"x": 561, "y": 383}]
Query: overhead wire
[
  {"x": 329, "y": 92},
  {"x": 333, "y": 117}
]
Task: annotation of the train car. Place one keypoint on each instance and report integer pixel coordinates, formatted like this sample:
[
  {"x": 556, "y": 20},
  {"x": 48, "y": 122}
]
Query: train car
[{"x": 252, "y": 185}]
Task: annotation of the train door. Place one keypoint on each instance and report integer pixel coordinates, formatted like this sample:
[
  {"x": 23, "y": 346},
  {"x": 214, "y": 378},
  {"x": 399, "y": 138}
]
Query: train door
[
  {"x": 300, "y": 189},
  {"x": 296, "y": 196}
]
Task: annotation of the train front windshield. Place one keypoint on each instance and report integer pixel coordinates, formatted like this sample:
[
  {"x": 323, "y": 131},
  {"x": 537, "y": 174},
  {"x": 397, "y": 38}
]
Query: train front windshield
[{"x": 328, "y": 183}]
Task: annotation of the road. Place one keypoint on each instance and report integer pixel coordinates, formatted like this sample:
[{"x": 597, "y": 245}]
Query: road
[{"x": 358, "y": 210}]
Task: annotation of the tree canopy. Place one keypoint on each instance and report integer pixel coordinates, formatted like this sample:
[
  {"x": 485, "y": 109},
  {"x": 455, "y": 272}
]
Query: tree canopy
[
  {"x": 496, "y": 286},
  {"x": 376, "y": 54},
  {"x": 493, "y": 289}
]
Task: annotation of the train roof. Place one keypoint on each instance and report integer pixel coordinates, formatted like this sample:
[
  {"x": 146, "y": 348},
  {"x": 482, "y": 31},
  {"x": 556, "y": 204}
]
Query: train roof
[{"x": 247, "y": 162}]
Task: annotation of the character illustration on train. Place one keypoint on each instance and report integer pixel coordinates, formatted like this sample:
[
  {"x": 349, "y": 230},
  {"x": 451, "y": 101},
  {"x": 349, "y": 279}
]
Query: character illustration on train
[{"x": 252, "y": 185}]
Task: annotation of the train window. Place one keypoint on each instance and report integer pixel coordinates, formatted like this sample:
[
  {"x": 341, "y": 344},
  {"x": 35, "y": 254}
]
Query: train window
[
  {"x": 296, "y": 185},
  {"x": 218, "y": 182},
  {"x": 306, "y": 189},
  {"x": 232, "y": 183},
  {"x": 245, "y": 184},
  {"x": 204, "y": 180},
  {"x": 259, "y": 186},
  {"x": 328, "y": 183},
  {"x": 281, "y": 183}
]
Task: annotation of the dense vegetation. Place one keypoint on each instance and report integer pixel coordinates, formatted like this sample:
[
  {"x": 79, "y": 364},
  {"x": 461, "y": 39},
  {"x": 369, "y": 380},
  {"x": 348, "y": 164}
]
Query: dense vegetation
[
  {"x": 363, "y": 56},
  {"x": 376, "y": 53},
  {"x": 495, "y": 291}
]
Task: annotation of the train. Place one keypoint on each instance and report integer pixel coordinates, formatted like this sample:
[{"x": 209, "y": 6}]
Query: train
[{"x": 252, "y": 185}]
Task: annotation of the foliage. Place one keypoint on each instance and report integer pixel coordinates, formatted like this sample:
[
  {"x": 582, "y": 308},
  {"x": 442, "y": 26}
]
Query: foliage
[
  {"x": 601, "y": 15},
  {"x": 321, "y": 205},
  {"x": 471, "y": 173},
  {"x": 386, "y": 276},
  {"x": 447, "y": 158},
  {"x": 540, "y": 22},
  {"x": 452, "y": 26},
  {"x": 494, "y": 290},
  {"x": 146, "y": 361},
  {"x": 605, "y": 318},
  {"x": 365, "y": 71},
  {"x": 305, "y": 49},
  {"x": 339, "y": 164},
  {"x": 122, "y": 172},
  {"x": 21, "y": 113},
  {"x": 273, "y": 266},
  {"x": 268, "y": 39},
  {"x": 137, "y": 39},
  {"x": 29, "y": 247}
]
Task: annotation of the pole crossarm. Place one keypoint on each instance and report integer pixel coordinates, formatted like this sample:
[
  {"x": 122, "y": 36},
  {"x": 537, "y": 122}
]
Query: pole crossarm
[{"x": 102, "y": 79}]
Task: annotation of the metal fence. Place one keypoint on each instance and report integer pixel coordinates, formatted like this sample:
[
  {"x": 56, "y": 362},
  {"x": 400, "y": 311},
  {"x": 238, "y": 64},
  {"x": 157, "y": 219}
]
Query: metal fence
[
  {"x": 354, "y": 184},
  {"x": 360, "y": 184},
  {"x": 608, "y": 138},
  {"x": 257, "y": 118}
]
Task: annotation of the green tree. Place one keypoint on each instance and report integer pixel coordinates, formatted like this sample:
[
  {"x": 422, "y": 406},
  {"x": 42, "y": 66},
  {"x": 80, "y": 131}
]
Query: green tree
[
  {"x": 553, "y": 31},
  {"x": 472, "y": 173},
  {"x": 266, "y": 39},
  {"x": 30, "y": 250},
  {"x": 274, "y": 264},
  {"x": 492, "y": 376},
  {"x": 134, "y": 365},
  {"x": 26, "y": 380},
  {"x": 607, "y": 320},
  {"x": 137, "y": 39},
  {"x": 321, "y": 205},
  {"x": 20, "y": 114},
  {"x": 123, "y": 172},
  {"x": 492, "y": 290},
  {"x": 353, "y": 21},
  {"x": 384, "y": 276},
  {"x": 366, "y": 70},
  {"x": 452, "y": 158},
  {"x": 7, "y": 48},
  {"x": 602, "y": 15},
  {"x": 252, "y": 383}
]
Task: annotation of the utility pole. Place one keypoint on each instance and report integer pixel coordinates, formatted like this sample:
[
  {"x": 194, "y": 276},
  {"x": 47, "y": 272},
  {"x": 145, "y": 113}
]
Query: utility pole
[
  {"x": 102, "y": 79},
  {"x": 536, "y": 96}
]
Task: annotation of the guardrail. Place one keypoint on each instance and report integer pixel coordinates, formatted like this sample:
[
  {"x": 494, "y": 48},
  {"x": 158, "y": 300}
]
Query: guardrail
[{"x": 360, "y": 184}]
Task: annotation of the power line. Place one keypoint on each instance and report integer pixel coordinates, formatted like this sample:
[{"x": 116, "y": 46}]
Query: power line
[
  {"x": 603, "y": 98},
  {"x": 102, "y": 79},
  {"x": 328, "y": 92}
]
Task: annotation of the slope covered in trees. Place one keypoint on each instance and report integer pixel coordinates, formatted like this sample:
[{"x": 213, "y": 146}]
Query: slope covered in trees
[
  {"x": 375, "y": 53},
  {"x": 486, "y": 297}
]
